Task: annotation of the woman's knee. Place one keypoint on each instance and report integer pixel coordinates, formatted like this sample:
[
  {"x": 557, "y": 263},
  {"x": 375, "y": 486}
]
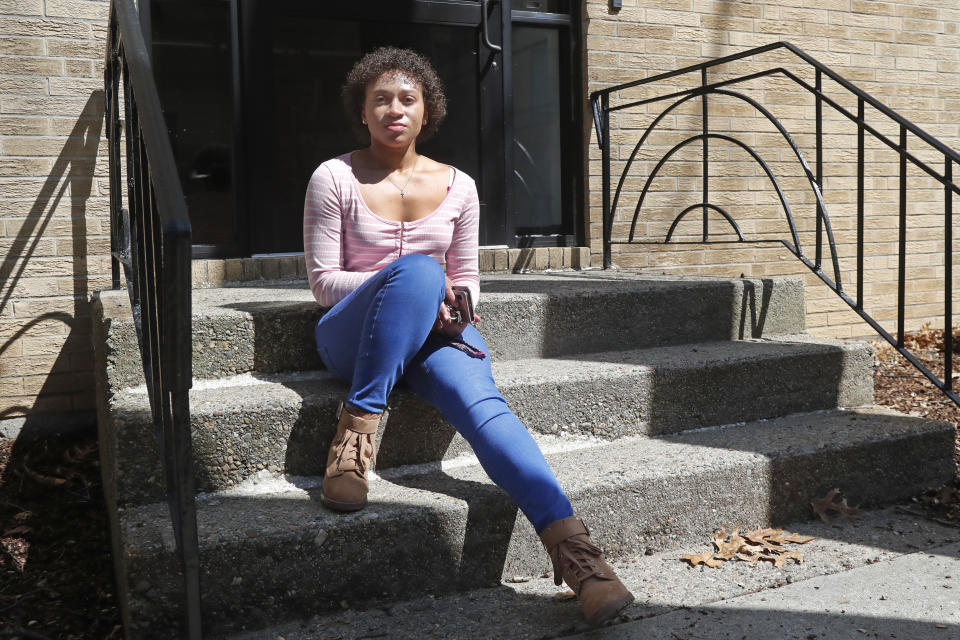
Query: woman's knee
[
  {"x": 420, "y": 269},
  {"x": 419, "y": 277}
]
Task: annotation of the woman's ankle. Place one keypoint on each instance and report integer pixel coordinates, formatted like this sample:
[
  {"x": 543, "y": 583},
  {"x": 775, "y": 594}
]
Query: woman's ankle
[{"x": 359, "y": 413}]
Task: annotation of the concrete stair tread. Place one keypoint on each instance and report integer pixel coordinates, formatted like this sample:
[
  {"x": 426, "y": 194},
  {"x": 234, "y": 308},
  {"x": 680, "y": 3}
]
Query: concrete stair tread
[
  {"x": 452, "y": 529},
  {"x": 270, "y": 328},
  {"x": 607, "y": 466},
  {"x": 247, "y": 298},
  {"x": 527, "y": 607},
  {"x": 515, "y": 373},
  {"x": 283, "y": 422}
]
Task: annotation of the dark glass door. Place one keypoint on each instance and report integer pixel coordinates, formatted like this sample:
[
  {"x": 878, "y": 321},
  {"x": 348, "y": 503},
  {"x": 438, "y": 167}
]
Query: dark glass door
[
  {"x": 295, "y": 61},
  {"x": 193, "y": 54},
  {"x": 251, "y": 94}
]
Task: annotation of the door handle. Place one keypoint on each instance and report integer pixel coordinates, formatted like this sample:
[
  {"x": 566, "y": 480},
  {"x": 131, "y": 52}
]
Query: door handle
[{"x": 484, "y": 28}]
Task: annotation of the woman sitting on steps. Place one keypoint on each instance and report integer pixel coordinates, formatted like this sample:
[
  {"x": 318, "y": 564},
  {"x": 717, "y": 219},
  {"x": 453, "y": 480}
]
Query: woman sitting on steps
[{"x": 381, "y": 225}]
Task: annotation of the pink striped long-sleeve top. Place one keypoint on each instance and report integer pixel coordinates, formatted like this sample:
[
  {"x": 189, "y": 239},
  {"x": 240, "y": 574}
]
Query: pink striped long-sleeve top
[{"x": 345, "y": 242}]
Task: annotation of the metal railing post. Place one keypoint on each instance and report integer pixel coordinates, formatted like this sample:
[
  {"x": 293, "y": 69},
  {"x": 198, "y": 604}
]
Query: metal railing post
[
  {"x": 706, "y": 155},
  {"x": 948, "y": 277},
  {"x": 819, "y": 178},
  {"x": 605, "y": 162},
  {"x": 860, "y": 186},
  {"x": 902, "y": 243}
]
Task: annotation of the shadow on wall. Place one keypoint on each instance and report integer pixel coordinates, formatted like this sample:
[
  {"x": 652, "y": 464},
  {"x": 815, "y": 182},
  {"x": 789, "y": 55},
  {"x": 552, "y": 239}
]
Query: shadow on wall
[{"x": 71, "y": 178}]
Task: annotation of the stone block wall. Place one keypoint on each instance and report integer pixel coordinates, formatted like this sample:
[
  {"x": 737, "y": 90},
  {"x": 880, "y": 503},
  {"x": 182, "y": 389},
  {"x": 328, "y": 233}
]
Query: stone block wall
[
  {"x": 905, "y": 53},
  {"x": 54, "y": 231}
]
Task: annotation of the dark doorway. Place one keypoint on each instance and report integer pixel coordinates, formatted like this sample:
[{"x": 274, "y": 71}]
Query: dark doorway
[{"x": 251, "y": 92}]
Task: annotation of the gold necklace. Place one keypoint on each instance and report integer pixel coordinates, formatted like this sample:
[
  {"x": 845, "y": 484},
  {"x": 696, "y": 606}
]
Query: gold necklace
[{"x": 404, "y": 188}]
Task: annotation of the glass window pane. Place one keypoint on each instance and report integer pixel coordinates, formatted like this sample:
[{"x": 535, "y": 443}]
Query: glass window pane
[
  {"x": 542, "y": 6},
  {"x": 192, "y": 68},
  {"x": 537, "y": 130},
  {"x": 300, "y": 122}
]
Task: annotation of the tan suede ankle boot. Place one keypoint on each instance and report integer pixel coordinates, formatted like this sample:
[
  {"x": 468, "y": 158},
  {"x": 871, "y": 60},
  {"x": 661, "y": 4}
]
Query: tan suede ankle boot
[
  {"x": 579, "y": 563},
  {"x": 351, "y": 455}
]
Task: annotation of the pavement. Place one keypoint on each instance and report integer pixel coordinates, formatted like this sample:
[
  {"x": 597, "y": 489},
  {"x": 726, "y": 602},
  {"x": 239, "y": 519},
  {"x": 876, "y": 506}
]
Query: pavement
[
  {"x": 913, "y": 596},
  {"x": 891, "y": 573}
]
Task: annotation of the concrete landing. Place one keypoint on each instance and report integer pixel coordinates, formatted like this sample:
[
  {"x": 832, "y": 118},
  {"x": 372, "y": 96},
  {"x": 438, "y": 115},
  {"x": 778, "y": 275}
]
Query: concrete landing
[{"x": 885, "y": 575}]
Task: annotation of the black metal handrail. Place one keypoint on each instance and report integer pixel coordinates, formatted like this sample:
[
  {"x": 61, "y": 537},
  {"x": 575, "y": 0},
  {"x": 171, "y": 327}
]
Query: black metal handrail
[
  {"x": 151, "y": 241},
  {"x": 600, "y": 101}
]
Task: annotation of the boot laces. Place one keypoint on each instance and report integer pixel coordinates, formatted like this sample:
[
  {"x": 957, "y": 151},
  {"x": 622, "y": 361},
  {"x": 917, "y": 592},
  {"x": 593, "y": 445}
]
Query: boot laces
[
  {"x": 354, "y": 451},
  {"x": 578, "y": 556}
]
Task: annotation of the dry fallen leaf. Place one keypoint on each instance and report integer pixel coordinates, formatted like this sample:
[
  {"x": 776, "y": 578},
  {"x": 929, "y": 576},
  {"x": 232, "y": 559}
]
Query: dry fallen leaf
[
  {"x": 702, "y": 558},
  {"x": 752, "y": 558},
  {"x": 751, "y": 547},
  {"x": 780, "y": 559},
  {"x": 726, "y": 549},
  {"x": 765, "y": 537},
  {"x": 822, "y": 505},
  {"x": 797, "y": 538},
  {"x": 847, "y": 511}
]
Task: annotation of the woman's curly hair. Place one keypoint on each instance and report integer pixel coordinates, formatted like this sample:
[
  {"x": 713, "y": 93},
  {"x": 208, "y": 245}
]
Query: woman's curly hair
[{"x": 410, "y": 63}]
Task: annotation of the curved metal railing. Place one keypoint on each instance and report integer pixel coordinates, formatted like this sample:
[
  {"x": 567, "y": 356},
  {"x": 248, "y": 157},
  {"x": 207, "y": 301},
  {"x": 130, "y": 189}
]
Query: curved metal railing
[
  {"x": 150, "y": 240},
  {"x": 602, "y": 109}
]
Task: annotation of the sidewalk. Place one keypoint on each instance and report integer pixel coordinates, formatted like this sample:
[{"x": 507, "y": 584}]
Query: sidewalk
[
  {"x": 885, "y": 575},
  {"x": 915, "y": 596}
]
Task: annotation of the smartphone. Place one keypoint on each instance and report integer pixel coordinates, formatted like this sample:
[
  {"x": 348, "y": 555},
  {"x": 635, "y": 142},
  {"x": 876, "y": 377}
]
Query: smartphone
[{"x": 463, "y": 293}]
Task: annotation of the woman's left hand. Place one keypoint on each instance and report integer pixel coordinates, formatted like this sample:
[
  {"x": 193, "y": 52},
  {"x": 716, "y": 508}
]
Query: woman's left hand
[{"x": 446, "y": 323}]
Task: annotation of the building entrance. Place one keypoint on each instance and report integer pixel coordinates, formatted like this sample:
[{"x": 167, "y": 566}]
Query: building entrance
[{"x": 251, "y": 94}]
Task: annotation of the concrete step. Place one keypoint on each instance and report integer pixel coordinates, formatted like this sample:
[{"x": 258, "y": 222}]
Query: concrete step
[
  {"x": 270, "y": 552},
  {"x": 284, "y": 423},
  {"x": 884, "y": 572},
  {"x": 270, "y": 329}
]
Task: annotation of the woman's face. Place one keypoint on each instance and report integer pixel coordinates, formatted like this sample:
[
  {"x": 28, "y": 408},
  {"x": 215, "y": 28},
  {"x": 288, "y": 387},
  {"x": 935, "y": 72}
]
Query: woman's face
[{"x": 393, "y": 109}]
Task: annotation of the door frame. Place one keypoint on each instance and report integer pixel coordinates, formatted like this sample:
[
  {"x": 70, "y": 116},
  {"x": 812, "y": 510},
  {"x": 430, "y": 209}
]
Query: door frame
[
  {"x": 496, "y": 182},
  {"x": 494, "y": 219},
  {"x": 573, "y": 170}
]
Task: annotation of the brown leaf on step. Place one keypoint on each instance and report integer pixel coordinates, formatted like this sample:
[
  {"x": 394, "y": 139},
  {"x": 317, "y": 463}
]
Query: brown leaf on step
[
  {"x": 779, "y": 559},
  {"x": 764, "y": 536},
  {"x": 752, "y": 558},
  {"x": 824, "y": 504},
  {"x": 751, "y": 547},
  {"x": 702, "y": 558},
  {"x": 827, "y": 503},
  {"x": 847, "y": 511},
  {"x": 797, "y": 538},
  {"x": 727, "y": 549}
]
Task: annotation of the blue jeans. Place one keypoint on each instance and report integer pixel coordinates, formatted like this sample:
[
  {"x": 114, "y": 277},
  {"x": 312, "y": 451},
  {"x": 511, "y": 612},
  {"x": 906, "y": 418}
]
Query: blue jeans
[{"x": 380, "y": 334}]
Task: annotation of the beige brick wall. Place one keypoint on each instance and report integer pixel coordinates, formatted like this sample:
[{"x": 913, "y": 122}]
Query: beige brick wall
[
  {"x": 53, "y": 196},
  {"x": 54, "y": 231},
  {"x": 905, "y": 53}
]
